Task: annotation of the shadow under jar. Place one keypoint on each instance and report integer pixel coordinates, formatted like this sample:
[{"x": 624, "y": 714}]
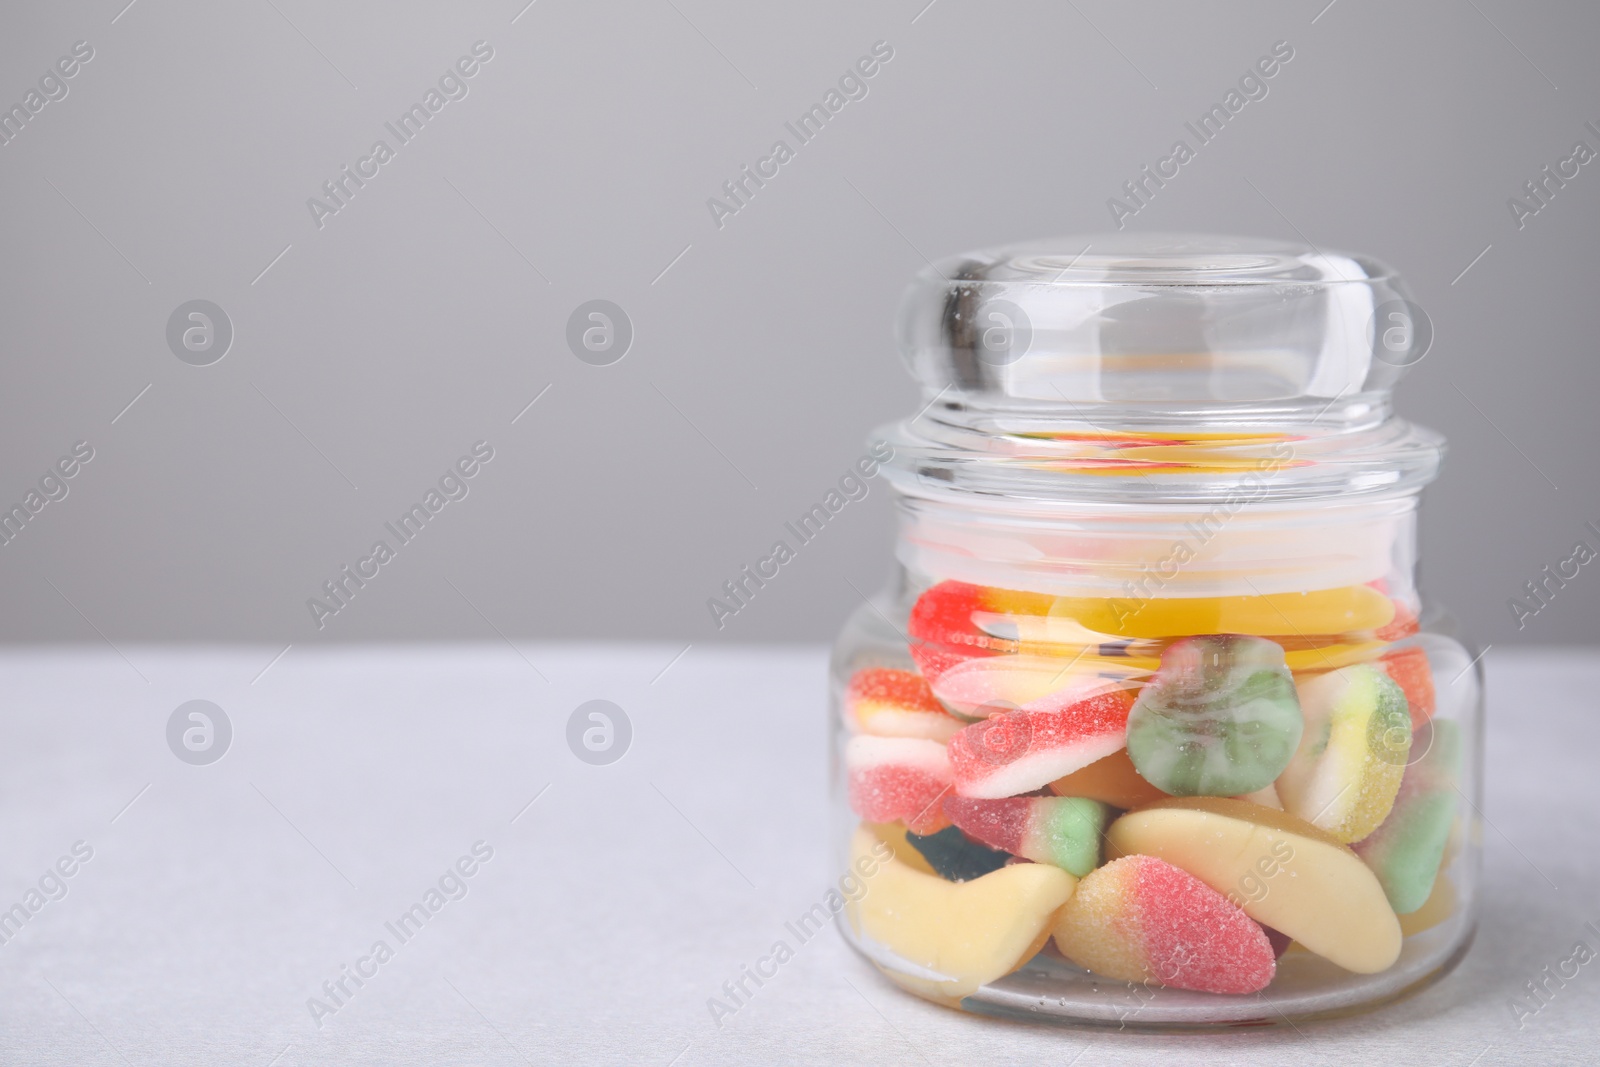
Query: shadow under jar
[{"x": 1150, "y": 726}]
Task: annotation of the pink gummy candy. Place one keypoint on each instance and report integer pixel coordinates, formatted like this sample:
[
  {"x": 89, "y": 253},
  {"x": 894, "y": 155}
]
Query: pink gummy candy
[
  {"x": 1142, "y": 919},
  {"x": 898, "y": 779}
]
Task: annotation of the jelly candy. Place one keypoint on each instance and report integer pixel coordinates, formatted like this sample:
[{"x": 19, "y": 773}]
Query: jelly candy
[
  {"x": 1410, "y": 670},
  {"x": 1347, "y": 770},
  {"x": 1318, "y": 891},
  {"x": 1324, "y": 611},
  {"x": 1403, "y": 625},
  {"x": 1219, "y": 718},
  {"x": 966, "y": 933},
  {"x": 1406, "y": 851},
  {"x": 955, "y": 614},
  {"x": 979, "y": 620},
  {"x": 966, "y": 683},
  {"x": 1022, "y": 750},
  {"x": 970, "y": 688},
  {"x": 953, "y": 857},
  {"x": 898, "y": 778},
  {"x": 894, "y": 703},
  {"x": 1140, "y": 919},
  {"x": 1111, "y": 780},
  {"x": 1266, "y": 796},
  {"x": 1064, "y": 831},
  {"x": 1441, "y": 904}
]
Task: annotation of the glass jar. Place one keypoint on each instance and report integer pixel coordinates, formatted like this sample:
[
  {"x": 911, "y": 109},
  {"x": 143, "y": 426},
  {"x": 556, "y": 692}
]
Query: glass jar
[{"x": 1150, "y": 726}]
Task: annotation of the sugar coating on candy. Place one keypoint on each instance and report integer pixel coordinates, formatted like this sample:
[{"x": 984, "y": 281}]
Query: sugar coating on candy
[
  {"x": 1140, "y": 919},
  {"x": 1220, "y": 717},
  {"x": 898, "y": 779},
  {"x": 944, "y": 615},
  {"x": 1023, "y": 750},
  {"x": 1352, "y": 755},
  {"x": 896, "y": 703},
  {"x": 1408, "y": 849},
  {"x": 1411, "y": 672},
  {"x": 1063, "y": 831},
  {"x": 934, "y": 660},
  {"x": 955, "y": 858}
]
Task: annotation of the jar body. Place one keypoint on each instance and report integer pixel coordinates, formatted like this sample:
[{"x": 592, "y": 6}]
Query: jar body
[{"x": 1044, "y": 728}]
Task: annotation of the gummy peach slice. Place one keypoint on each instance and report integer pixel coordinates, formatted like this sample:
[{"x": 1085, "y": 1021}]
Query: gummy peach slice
[
  {"x": 1141, "y": 919},
  {"x": 1282, "y": 871},
  {"x": 887, "y": 702},
  {"x": 967, "y": 933}
]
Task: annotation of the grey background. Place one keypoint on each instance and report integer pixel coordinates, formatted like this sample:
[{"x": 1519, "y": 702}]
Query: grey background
[{"x": 430, "y": 311}]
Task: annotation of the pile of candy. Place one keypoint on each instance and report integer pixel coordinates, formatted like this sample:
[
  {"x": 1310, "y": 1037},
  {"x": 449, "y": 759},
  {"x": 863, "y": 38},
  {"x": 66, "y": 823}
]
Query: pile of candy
[{"x": 1174, "y": 793}]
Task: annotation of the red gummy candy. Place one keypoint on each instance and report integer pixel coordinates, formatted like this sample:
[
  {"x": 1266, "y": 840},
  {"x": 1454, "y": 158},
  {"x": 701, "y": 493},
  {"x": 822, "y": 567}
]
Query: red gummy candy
[
  {"x": 1410, "y": 670},
  {"x": 1018, "y": 751},
  {"x": 898, "y": 779}
]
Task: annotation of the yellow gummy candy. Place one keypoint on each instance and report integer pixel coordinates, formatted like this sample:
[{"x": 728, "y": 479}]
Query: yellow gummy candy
[
  {"x": 1352, "y": 755},
  {"x": 969, "y": 933},
  {"x": 1323, "y": 611}
]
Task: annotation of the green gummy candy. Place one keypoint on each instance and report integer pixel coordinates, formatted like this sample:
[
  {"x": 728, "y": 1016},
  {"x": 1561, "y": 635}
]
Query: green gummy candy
[
  {"x": 1069, "y": 834},
  {"x": 1220, "y": 717},
  {"x": 1406, "y": 851}
]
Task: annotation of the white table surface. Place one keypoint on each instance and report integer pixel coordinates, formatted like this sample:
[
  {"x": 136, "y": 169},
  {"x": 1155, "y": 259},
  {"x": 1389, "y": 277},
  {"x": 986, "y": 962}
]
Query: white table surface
[{"x": 615, "y": 905}]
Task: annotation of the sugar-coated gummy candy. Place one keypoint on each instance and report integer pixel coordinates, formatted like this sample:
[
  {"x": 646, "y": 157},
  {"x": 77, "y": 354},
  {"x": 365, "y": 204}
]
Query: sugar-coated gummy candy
[
  {"x": 1064, "y": 831},
  {"x": 956, "y": 858},
  {"x": 954, "y": 614},
  {"x": 1282, "y": 871},
  {"x": 1111, "y": 780},
  {"x": 1141, "y": 919},
  {"x": 894, "y": 703},
  {"x": 1406, "y": 850},
  {"x": 1220, "y": 717},
  {"x": 1023, "y": 750},
  {"x": 1352, "y": 755},
  {"x": 898, "y": 778},
  {"x": 968, "y": 933},
  {"x": 956, "y": 621},
  {"x": 1409, "y": 669},
  {"x": 971, "y": 688}
]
